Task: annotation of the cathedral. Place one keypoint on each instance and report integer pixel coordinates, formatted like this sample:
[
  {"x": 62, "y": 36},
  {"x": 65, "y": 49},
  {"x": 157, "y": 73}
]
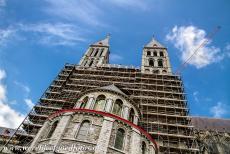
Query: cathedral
[{"x": 95, "y": 107}]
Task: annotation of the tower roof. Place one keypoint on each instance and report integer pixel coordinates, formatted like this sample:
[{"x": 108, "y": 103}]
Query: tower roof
[
  {"x": 154, "y": 43},
  {"x": 104, "y": 42}
]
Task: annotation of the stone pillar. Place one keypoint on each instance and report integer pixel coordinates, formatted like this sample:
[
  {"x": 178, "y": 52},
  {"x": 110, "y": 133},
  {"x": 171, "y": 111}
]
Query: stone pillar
[
  {"x": 109, "y": 104},
  {"x": 88, "y": 62},
  {"x": 104, "y": 52},
  {"x": 135, "y": 142},
  {"x": 90, "y": 103},
  {"x": 126, "y": 113},
  {"x": 38, "y": 137},
  {"x": 135, "y": 121},
  {"x": 60, "y": 129},
  {"x": 99, "y": 52},
  {"x": 90, "y": 51},
  {"x": 103, "y": 140},
  {"x": 78, "y": 104},
  {"x": 95, "y": 49}
]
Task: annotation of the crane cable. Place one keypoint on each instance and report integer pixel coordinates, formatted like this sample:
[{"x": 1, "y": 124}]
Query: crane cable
[{"x": 209, "y": 37}]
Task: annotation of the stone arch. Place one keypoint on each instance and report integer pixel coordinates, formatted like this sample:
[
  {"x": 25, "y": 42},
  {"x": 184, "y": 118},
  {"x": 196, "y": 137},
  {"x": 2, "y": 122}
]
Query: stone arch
[
  {"x": 117, "y": 107},
  {"x": 52, "y": 129},
  {"x": 83, "y": 130},
  {"x": 100, "y": 103}
]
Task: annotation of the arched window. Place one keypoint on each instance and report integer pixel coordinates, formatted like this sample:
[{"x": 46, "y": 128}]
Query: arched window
[
  {"x": 155, "y": 53},
  {"x": 84, "y": 102},
  {"x": 100, "y": 103},
  {"x": 160, "y": 63},
  {"x": 85, "y": 63},
  {"x": 156, "y": 71},
  {"x": 151, "y": 62},
  {"x": 147, "y": 70},
  {"x": 117, "y": 107},
  {"x": 83, "y": 130},
  {"x": 131, "y": 115},
  {"x": 102, "y": 50},
  {"x": 91, "y": 51},
  {"x": 161, "y": 54},
  {"x": 52, "y": 129},
  {"x": 96, "y": 52},
  {"x": 148, "y": 53},
  {"x": 119, "y": 139},
  {"x": 143, "y": 147},
  {"x": 91, "y": 63},
  {"x": 164, "y": 71}
]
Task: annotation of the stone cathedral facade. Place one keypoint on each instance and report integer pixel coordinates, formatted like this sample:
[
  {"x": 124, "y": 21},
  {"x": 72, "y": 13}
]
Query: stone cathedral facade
[{"x": 101, "y": 108}]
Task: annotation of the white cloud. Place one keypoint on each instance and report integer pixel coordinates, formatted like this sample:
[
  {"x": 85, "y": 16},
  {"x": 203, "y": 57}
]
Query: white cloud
[
  {"x": 227, "y": 49},
  {"x": 5, "y": 34},
  {"x": 8, "y": 116},
  {"x": 23, "y": 86},
  {"x": 140, "y": 4},
  {"x": 29, "y": 103},
  {"x": 2, "y": 87},
  {"x": 82, "y": 10},
  {"x": 195, "y": 95},
  {"x": 187, "y": 39},
  {"x": 2, "y": 3},
  {"x": 218, "y": 110},
  {"x": 55, "y": 34},
  {"x": 115, "y": 57},
  {"x": 91, "y": 12}
]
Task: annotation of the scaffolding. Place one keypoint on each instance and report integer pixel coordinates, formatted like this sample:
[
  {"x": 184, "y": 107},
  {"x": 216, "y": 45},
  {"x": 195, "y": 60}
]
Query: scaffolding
[{"x": 161, "y": 98}]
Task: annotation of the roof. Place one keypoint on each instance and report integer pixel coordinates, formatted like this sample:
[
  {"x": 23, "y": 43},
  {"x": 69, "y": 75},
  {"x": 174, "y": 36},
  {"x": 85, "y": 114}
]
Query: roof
[
  {"x": 154, "y": 43},
  {"x": 6, "y": 131},
  {"x": 203, "y": 123},
  {"x": 104, "y": 42},
  {"x": 113, "y": 88}
]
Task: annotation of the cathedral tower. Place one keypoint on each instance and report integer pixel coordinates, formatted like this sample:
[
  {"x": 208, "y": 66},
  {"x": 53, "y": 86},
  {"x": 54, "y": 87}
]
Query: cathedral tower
[
  {"x": 155, "y": 58},
  {"x": 97, "y": 54}
]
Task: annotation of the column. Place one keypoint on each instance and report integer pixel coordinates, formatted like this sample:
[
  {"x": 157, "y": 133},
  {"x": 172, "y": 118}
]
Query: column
[
  {"x": 126, "y": 113},
  {"x": 135, "y": 121},
  {"x": 104, "y": 137},
  {"x": 135, "y": 142},
  {"x": 95, "y": 49},
  {"x": 90, "y": 103},
  {"x": 104, "y": 52},
  {"x": 99, "y": 52},
  {"x": 38, "y": 136},
  {"x": 60, "y": 129},
  {"x": 109, "y": 104},
  {"x": 78, "y": 104}
]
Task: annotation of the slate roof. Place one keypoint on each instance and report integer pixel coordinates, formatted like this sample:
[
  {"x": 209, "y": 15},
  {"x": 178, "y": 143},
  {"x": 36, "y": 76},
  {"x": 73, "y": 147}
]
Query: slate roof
[
  {"x": 6, "y": 131},
  {"x": 203, "y": 123}
]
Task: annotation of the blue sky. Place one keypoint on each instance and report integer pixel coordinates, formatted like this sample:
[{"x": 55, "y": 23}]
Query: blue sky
[{"x": 38, "y": 37}]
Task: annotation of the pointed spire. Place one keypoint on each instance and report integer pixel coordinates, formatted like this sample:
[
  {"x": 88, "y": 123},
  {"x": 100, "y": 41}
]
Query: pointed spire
[
  {"x": 104, "y": 42},
  {"x": 154, "y": 43}
]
